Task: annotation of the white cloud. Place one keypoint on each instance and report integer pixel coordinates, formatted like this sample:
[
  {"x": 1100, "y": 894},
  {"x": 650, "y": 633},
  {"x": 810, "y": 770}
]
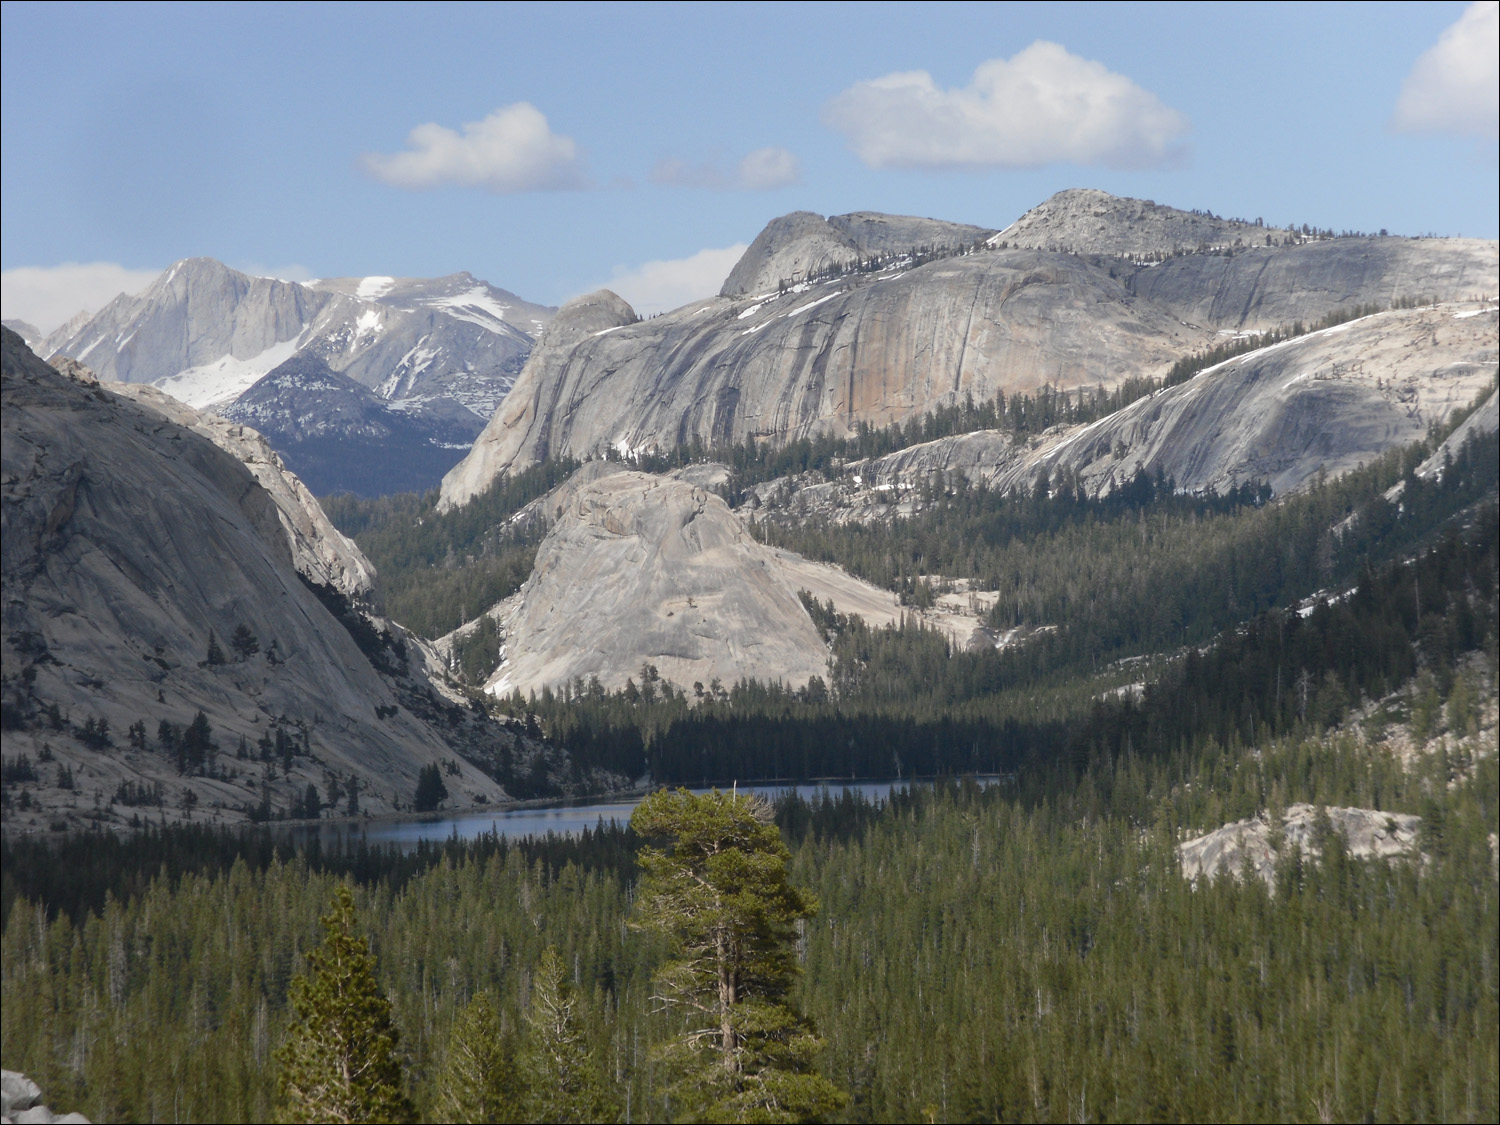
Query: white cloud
[
  {"x": 762, "y": 170},
  {"x": 1041, "y": 107},
  {"x": 513, "y": 149},
  {"x": 658, "y": 286},
  {"x": 1455, "y": 85},
  {"x": 768, "y": 168},
  {"x": 671, "y": 171},
  {"x": 47, "y": 296}
]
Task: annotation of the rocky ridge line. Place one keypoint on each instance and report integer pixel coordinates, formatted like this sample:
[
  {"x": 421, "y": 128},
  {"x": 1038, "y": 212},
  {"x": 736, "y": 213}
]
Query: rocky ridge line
[{"x": 885, "y": 342}]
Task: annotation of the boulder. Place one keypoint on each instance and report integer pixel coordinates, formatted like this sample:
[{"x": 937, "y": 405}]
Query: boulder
[{"x": 1256, "y": 845}]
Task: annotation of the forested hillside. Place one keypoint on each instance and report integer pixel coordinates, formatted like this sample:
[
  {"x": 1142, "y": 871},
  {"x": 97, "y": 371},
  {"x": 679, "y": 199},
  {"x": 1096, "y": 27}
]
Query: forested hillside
[{"x": 1025, "y": 951}]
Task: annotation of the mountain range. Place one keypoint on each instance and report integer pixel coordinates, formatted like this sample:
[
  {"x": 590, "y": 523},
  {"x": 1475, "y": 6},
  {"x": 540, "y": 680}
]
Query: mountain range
[
  {"x": 184, "y": 629},
  {"x": 1095, "y": 351},
  {"x": 1336, "y": 350},
  {"x": 817, "y": 332},
  {"x": 442, "y": 351}
]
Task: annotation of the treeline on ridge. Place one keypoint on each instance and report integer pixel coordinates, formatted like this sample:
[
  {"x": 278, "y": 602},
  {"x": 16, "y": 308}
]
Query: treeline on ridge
[
  {"x": 901, "y": 701},
  {"x": 441, "y": 570}
]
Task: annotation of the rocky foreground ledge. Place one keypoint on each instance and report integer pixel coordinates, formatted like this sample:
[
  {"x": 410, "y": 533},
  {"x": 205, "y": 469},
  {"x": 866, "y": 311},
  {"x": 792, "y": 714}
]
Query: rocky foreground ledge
[{"x": 20, "y": 1102}]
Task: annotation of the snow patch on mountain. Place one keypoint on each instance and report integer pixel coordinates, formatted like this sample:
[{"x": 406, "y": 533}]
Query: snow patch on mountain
[
  {"x": 211, "y": 385},
  {"x": 476, "y": 306},
  {"x": 372, "y": 288}
]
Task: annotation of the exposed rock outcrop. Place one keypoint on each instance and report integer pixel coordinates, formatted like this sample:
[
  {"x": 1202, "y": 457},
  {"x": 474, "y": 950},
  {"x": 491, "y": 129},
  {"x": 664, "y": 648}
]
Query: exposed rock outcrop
[
  {"x": 798, "y": 246},
  {"x": 874, "y": 347},
  {"x": 653, "y": 570},
  {"x": 1259, "y": 289},
  {"x": 885, "y": 343},
  {"x": 1088, "y": 221},
  {"x": 1257, "y": 844},
  {"x": 639, "y": 569},
  {"x": 1325, "y": 401},
  {"x": 21, "y": 1103},
  {"x": 137, "y": 542},
  {"x": 319, "y": 551}
]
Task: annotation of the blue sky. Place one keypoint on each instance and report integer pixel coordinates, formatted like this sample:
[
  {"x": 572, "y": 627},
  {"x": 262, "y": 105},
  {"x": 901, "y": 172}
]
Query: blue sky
[{"x": 555, "y": 149}]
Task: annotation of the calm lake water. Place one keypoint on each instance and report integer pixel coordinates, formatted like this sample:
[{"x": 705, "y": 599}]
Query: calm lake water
[{"x": 564, "y": 820}]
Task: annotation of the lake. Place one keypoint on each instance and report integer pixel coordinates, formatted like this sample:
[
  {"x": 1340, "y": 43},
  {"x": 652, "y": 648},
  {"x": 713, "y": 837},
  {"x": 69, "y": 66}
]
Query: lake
[{"x": 563, "y": 819}]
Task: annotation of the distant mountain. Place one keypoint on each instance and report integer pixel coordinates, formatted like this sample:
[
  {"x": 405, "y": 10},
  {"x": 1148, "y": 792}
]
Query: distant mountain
[
  {"x": 1325, "y": 403},
  {"x": 28, "y": 332},
  {"x": 339, "y": 436},
  {"x": 204, "y": 333},
  {"x": 825, "y": 325},
  {"x": 159, "y": 565}
]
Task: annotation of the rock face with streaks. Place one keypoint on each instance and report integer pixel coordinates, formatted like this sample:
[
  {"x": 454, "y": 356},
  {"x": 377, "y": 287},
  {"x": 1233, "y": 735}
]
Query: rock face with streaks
[
  {"x": 159, "y": 563},
  {"x": 1262, "y": 288},
  {"x": 1326, "y": 401},
  {"x": 639, "y": 569},
  {"x": 878, "y": 331},
  {"x": 1257, "y": 845},
  {"x": 319, "y": 550},
  {"x": 869, "y": 347}
]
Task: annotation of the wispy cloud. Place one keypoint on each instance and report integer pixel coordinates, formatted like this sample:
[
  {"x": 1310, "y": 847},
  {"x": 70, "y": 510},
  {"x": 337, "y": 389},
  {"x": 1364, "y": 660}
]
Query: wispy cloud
[
  {"x": 47, "y": 296},
  {"x": 1455, "y": 86},
  {"x": 1043, "y": 106},
  {"x": 762, "y": 170},
  {"x": 511, "y": 150},
  {"x": 658, "y": 286}
]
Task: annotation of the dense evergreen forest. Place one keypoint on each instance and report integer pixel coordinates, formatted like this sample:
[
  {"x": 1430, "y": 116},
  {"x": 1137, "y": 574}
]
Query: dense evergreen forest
[
  {"x": 1022, "y": 951},
  {"x": 1026, "y": 950}
]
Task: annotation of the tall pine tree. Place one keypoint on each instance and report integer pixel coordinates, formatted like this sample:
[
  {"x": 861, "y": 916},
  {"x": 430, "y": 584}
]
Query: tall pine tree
[
  {"x": 722, "y": 897},
  {"x": 338, "y": 1063},
  {"x": 564, "y": 1082},
  {"x": 479, "y": 1078}
]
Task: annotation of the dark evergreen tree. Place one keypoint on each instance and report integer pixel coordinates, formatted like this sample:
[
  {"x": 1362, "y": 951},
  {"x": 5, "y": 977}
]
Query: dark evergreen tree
[
  {"x": 196, "y": 743},
  {"x": 431, "y": 791},
  {"x": 339, "y": 1062},
  {"x": 480, "y": 1081},
  {"x": 244, "y": 642},
  {"x": 563, "y": 1082},
  {"x": 722, "y": 897}
]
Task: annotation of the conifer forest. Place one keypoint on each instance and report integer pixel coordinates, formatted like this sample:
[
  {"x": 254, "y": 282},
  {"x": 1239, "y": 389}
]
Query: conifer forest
[
  {"x": 668, "y": 563},
  {"x": 1015, "y": 940}
]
